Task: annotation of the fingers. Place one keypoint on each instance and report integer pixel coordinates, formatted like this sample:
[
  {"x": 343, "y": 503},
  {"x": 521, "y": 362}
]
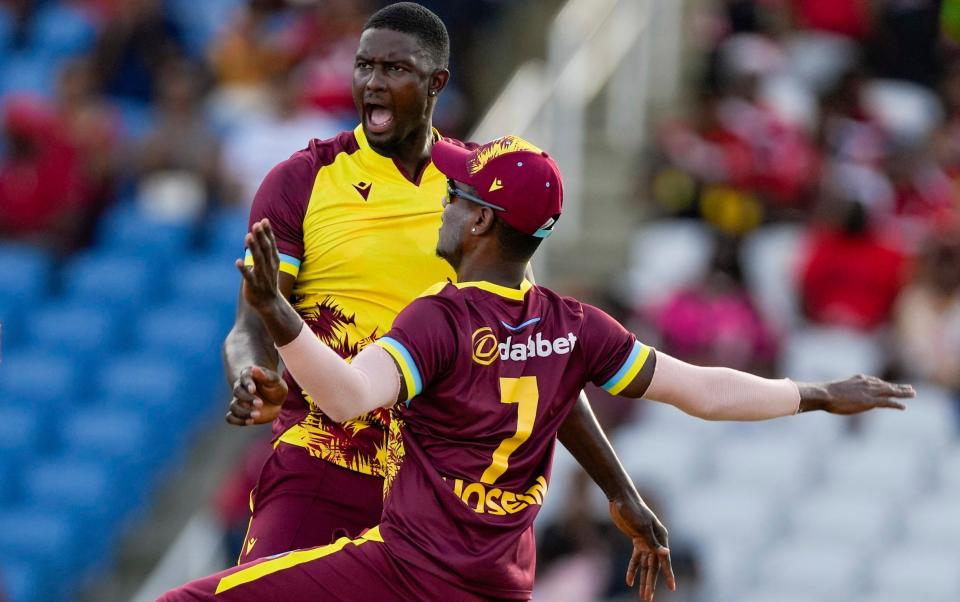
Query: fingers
[
  {"x": 246, "y": 272},
  {"x": 887, "y": 403},
  {"x": 262, "y": 376},
  {"x": 887, "y": 389},
  {"x": 633, "y": 566},
  {"x": 235, "y": 421},
  {"x": 666, "y": 567},
  {"x": 650, "y": 569},
  {"x": 257, "y": 252}
]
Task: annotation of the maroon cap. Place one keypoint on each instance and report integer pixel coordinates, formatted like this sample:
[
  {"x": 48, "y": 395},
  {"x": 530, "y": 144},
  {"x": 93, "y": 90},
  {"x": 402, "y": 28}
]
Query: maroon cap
[{"x": 510, "y": 174}]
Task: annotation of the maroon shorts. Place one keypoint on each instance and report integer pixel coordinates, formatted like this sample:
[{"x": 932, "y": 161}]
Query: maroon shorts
[
  {"x": 302, "y": 502},
  {"x": 355, "y": 570}
]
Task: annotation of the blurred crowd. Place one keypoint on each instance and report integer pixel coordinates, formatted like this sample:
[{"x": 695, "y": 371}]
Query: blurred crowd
[
  {"x": 802, "y": 218},
  {"x": 178, "y": 106},
  {"x": 838, "y": 120}
]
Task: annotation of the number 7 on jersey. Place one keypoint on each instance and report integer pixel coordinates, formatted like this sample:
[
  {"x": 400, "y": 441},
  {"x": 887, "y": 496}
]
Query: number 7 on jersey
[{"x": 522, "y": 391}]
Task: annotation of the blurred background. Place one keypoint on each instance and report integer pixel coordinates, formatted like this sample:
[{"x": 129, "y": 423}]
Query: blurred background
[{"x": 770, "y": 185}]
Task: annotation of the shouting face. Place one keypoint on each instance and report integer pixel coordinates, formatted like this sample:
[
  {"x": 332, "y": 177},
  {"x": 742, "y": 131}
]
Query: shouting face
[{"x": 395, "y": 83}]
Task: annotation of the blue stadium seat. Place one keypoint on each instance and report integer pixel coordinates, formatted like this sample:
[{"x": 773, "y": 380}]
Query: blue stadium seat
[
  {"x": 129, "y": 231},
  {"x": 26, "y": 273},
  {"x": 7, "y": 478},
  {"x": 123, "y": 438},
  {"x": 27, "y": 72},
  {"x": 36, "y": 536},
  {"x": 116, "y": 282},
  {"x": 87, "y": 491},
  {"x": 11, "y": 326},
  {"x": 38, "y": 379},
  {"x": 209, "y": 283},
  {"x": 20, "y": 440},
  {"x": 136, "y": 118},
  {"x": 7, "y": 27},
  {"x": 201, "y": 20},
  {"x": 185, "y": 332},
  {"x": 61, "y": 30},
  {"x": 147, "y": 382},
  {"x": 84, "y": 332},
  {"x": 20, "y": 581},
  {"x": 225, "y": 231}
]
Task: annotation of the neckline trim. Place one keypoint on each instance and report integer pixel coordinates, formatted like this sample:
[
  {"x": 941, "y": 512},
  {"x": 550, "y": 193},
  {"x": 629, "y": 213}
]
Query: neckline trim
[
  {"x": 388, "y": 164},
  {"x": 496, "y": 289}
]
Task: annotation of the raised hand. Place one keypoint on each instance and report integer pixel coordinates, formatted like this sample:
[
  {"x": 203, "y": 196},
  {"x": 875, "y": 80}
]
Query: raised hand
[
  {"x": 650, "y": 556},
  {"x": 260, "y": 280},
  {"x": 853, "y": 395},
  {"x": 258, "y": 395},
  {"x": 261, "y": 288}
]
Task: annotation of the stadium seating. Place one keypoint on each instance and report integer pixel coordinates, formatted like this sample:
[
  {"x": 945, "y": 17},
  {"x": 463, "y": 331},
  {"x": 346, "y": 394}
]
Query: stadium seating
[
  {"x": 122, "y": 283},
  {"x": 32, "y": 268},
  {"x": 824, "y": 572},
  {"x": 651, "y": 278},
  {"x": 61, "y": 30},
  {"x": 109, "y": 367},
  {"x": 769, "y": 256},
  {"x": 784, "y": 465},
  {"x": 895, "y": 469},
  {"x": 919, "y": 573},
  {"x": 819, "y": 353},
  {"x": 839, "y": 516},
  {"x": 930, "y": 422}
]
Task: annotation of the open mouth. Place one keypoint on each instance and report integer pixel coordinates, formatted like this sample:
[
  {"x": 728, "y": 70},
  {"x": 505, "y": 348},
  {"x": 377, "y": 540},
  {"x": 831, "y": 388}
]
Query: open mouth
[{"x": 379, "y": 118}]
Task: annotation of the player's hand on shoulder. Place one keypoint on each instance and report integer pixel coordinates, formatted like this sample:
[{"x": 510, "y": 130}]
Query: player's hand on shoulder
[
  {"x": 258, "y": 395},
  {"x": 651, "y": 554},
  {"x": 853, "y": 395},
  {"x": 260, "y": 288}
]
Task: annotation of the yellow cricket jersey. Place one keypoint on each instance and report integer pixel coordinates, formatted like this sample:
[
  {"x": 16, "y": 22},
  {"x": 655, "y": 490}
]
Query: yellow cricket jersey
[{"x": 360, "y": 238}]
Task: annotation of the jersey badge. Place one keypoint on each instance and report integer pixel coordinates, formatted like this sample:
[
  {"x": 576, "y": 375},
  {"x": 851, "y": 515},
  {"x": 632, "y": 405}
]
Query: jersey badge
[{"x": 363, "y": 188}]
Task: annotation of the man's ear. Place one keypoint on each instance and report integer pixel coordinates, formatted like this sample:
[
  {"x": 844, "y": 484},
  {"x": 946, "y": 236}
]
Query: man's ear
[
  {"x": 438, "y": 81},
  {"x": 484, "y": 221}
]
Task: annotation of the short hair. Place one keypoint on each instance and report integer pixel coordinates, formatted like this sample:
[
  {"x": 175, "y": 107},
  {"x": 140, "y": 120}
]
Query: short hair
[
  {"x": 418, "y": 21},
  {"x": 515, "y": 245}
]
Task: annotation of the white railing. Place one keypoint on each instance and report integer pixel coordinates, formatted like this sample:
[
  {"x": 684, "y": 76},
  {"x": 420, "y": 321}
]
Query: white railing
[{"x": 593, "y": 45}]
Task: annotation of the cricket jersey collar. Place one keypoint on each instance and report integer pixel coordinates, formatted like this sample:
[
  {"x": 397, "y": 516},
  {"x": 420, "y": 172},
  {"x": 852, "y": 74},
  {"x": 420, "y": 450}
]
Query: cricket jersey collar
[
  {"x": 384, "y": 167},
  {"x": 502, "y": 291}
]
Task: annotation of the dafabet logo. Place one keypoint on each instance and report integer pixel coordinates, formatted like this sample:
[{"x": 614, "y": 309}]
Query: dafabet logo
[{"x": 484, "y": 346}]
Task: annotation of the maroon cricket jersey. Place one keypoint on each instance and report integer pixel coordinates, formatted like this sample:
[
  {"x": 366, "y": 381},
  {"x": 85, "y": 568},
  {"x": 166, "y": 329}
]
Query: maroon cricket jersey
[{"x": 492, "y": 373}]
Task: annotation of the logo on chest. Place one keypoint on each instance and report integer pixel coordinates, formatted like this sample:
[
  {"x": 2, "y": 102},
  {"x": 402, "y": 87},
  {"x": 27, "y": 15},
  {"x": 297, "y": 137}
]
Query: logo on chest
[
  {"x": 487, "y": 349},
  {"x": 363, "y": 188}
]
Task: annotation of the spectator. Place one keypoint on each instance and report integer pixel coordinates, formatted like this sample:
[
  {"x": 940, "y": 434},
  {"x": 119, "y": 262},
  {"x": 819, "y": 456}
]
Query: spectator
[
  {"x": 44, "y": 194},
  {"x": 328, "y": 43},
  {"x": 714, "y": 322},
  {"x": 179, "y": 160},
  {"x": 92, "y": 125},
  {"x": 255, "y": 145},
  {"x": 928, "y": 315},
  {"x": 845, "y": 17},
  {"x": 906, "y": 41},
  {"x": 133, "y": 48},
  {"x": 250, "y": 51},
  {"x": 851, "y": 274}
]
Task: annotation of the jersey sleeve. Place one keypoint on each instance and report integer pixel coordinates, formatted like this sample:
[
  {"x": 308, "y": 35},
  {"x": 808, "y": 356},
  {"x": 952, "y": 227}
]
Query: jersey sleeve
[
  {"x": 282, "y": 198},
  {"x": 423, "y": 342},
  {"x": 613, "y": 354}
]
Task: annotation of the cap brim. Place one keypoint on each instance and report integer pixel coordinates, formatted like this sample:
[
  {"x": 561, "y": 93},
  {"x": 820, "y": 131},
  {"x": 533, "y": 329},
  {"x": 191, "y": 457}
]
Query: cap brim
[{"x": 451, "y": 159}]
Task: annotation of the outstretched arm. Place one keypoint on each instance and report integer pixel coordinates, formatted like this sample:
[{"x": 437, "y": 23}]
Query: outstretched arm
[{"x": 725, "y": 394}]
